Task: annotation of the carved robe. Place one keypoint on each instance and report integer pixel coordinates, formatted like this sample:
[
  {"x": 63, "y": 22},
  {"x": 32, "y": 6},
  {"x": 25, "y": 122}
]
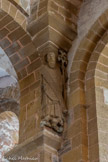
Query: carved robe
[{"x": 52, "y": 100}]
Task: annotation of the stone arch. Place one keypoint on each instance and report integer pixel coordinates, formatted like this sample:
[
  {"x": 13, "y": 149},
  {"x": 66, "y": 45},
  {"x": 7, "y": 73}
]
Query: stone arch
[
  {"x": 19, "y": 47},
  {"x": 15, "y": 11},
  {"x": 79, "y": 94},
  {"x": 95, "y": 85},
  {"x": 83, "y": 53},
  {"x": 87, "y": 45}
]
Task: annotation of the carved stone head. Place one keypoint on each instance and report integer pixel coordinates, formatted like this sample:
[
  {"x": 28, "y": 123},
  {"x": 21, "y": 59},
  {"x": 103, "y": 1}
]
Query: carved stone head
[{"x": 51, "y": 59}]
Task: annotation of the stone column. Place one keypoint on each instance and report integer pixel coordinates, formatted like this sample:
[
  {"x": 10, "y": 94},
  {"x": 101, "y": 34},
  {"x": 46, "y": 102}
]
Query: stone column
[
  {"x": 50, "y": 30},
  {"x": 41, "y": 148}
]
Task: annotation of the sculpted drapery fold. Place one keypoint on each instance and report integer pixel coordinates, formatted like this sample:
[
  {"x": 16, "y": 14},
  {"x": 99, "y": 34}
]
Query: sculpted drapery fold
[{"x": 53, "y": 75}]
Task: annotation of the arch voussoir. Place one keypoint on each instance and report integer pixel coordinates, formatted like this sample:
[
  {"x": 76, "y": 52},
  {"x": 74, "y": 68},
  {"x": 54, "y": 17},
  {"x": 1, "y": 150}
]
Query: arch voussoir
[
  {"x": 18, "y": 46},
  {"x": 88, "y": 52}
]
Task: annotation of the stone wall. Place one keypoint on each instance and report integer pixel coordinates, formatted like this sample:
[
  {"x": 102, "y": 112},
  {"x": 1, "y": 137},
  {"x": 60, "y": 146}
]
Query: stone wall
[
  {"x": 89, "y": 13},
  {"x": 101, "y": 88},
  {"x": 54, "y": 25},
  {"x": 15, "y": 11},
  {"x": 96, "y": 86},
  {"x": 83, "y": 88},
  {"x": 17, "y": 44},
  {"x": 80, "y": 53}
]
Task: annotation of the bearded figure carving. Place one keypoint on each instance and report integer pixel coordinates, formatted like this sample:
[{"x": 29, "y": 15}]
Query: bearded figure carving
[{"x": 53, "y": 91}]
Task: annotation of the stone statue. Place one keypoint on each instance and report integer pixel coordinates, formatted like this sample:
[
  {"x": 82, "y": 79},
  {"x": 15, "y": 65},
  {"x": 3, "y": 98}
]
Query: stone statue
[{"x": 53, "y": 98}]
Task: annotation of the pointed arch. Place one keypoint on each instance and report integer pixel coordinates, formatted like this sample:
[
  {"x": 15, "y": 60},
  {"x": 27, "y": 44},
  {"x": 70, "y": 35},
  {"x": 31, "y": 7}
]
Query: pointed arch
[{"x": 82, "y": 82}]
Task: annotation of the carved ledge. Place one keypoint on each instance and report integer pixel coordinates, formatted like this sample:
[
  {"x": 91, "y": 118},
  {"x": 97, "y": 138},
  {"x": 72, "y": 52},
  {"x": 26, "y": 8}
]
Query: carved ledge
[{"x": 44, "y": 141}]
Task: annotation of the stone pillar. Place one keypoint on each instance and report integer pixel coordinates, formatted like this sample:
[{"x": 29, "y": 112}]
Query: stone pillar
[
  {"x": 48, "y": 23},
  {"x": 41, "y": 148},
  {"x": 49, "y": 32},
  {"x": 50, "y": 28}
]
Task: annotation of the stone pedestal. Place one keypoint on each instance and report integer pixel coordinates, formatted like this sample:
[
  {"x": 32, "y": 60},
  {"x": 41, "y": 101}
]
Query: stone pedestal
[{"x": 41, "y": 148}]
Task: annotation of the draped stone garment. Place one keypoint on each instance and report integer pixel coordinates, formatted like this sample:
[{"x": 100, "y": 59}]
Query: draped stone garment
[
  {"x": 52, "y": 103},
  {"x": 52, "y": 100}
]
